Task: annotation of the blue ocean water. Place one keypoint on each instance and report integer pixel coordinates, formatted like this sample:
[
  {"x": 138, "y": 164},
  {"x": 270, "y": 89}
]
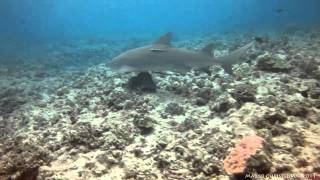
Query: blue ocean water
[
  {"x": 38, "y": 20},
  {"x": 25, "y": 24}
]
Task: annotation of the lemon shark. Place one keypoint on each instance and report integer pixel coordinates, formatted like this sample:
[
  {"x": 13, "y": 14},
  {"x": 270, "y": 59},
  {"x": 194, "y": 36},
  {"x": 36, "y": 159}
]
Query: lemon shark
[{"x": 161, "y": 56}]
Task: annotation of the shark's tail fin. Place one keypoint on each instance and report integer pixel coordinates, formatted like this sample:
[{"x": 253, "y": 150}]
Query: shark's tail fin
[{"x": 233, "y": 57}]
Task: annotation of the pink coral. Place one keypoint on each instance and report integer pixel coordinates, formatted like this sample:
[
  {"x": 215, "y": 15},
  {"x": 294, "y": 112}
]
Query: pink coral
[{"x": 235, "y": 162}]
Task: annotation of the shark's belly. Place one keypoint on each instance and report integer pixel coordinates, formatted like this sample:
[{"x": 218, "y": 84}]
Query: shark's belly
[{"x": 181, "y": 62}]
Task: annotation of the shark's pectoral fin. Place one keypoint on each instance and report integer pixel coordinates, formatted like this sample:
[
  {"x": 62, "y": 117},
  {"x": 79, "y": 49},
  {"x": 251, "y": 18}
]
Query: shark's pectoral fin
[
  {"x": 164, "y": 40},
  {"x": 207, "y": 49}
]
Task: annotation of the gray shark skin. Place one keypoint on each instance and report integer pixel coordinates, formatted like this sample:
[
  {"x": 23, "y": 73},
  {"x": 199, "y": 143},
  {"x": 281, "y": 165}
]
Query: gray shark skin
[{"x": 161, "y": 56}]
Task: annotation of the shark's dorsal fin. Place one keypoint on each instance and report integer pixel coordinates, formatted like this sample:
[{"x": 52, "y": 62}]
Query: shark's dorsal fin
[
  {"x": 165, "y": 39},
  {"x": 207, "y": 49}
]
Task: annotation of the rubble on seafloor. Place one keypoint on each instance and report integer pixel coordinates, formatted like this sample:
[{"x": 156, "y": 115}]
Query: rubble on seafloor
[{"x": 91, "y": 125}]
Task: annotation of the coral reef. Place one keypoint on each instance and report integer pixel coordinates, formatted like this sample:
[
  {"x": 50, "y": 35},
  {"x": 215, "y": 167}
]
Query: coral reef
[
  {"x": 97, "y": 124},
  {"x": 273, "y": 63},
  {"x": 21, "y": 160},
  {"x": 244, "y": 93},
  {"x": 248, "y": 156}
]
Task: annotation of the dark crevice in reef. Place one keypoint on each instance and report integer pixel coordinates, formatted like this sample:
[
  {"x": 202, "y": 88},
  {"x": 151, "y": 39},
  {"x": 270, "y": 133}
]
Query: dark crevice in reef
[{"x": 142, "y": 82}]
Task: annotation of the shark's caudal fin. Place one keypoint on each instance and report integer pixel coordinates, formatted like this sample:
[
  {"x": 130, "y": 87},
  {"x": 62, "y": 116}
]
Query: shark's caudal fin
[{"x": 233, "y": 57}]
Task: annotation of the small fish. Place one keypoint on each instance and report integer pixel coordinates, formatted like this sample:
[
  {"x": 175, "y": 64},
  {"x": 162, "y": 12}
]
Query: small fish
[
  {"x": 161, "y": 56},
  {"x": 260, "y": 40},
  {"x": 279, "y": 10}
]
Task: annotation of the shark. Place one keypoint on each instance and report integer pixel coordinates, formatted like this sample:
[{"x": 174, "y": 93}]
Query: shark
[{"x": 162, "y": 56}]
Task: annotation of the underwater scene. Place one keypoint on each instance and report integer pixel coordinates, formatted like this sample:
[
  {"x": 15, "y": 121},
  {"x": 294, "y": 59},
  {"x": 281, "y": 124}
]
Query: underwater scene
[{"x": 159, "y": 89}]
